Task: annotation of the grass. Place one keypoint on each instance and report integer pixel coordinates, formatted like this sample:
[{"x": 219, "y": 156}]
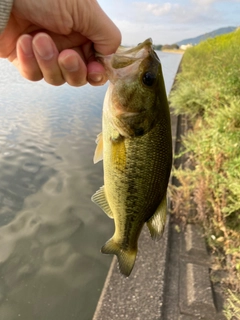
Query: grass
[
  {"x": 232, "y": 311},
  {"x": 207, "y": 91}
]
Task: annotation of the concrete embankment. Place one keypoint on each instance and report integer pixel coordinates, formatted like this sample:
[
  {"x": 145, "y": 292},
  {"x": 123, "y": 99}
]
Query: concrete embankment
[{"x": 170, "y": 279}]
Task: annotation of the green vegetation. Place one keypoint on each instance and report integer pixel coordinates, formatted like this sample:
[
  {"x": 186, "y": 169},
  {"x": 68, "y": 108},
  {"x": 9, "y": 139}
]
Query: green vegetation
[
  {"x": 157, "y": 47},
  {"x": 233, "y": 306},
  {"x": 207, "y": 91},
  {"x": 165, "y": 47},
  {"x": 170, "y": 47}
]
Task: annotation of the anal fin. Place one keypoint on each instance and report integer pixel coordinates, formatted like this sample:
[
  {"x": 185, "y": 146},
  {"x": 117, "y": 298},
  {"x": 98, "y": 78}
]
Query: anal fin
[
  {"x": 157, "y": 222},
  {"x": 99, "y": 198}
]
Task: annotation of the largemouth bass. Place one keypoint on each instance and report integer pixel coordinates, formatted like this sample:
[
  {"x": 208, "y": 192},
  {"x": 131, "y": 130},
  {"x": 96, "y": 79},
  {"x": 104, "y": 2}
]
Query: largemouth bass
[{"x": 136, "y": 148}]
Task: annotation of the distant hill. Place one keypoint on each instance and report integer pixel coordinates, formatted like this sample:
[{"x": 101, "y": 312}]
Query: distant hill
[{"x": 205, "y": 36}]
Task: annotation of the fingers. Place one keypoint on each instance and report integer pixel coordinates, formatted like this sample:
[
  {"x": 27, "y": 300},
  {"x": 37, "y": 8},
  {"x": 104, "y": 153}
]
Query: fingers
[
  {"x": 26, "y": 61},
  {"x": 94, "y": 24},
  {"x": 38, "y": 57},
  {"x": 73, "y": 67},
  {"x": 96, "y": 73},
  {"x": 46, "y": 54}
]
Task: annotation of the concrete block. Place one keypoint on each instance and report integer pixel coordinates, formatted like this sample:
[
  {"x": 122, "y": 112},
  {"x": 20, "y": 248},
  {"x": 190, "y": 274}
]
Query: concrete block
[
  {"x": 196, "y": 296},
  {"x": 187, "y": 317},
  {"x": 171, "y": 293},
  {"x": 194, "y": 239},
  {"x": 193, "y": 244}
]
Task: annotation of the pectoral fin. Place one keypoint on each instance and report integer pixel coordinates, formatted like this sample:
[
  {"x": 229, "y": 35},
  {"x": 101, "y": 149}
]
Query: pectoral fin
[
  {"x": 98, "y": 155},
  {"x": 99, "y": 198},
  {"x": 157, "y": 222}
]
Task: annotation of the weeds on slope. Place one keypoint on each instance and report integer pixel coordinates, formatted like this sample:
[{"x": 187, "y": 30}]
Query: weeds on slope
[{"x": 208, "y": 91}]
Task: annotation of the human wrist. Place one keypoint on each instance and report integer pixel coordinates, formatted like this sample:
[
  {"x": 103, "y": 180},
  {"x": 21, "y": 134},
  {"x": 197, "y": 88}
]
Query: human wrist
[{"x": 5, "y": 10}]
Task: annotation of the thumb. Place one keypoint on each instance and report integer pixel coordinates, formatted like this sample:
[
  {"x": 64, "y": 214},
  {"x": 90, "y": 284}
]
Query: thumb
[{"x": 93, "y": 23}]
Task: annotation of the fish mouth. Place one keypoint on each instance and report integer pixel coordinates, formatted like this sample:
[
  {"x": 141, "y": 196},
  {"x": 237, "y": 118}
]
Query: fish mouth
[
  {"x": 130, "y": 52},
  {"x": 141, "y": 51},
  {"x": 125, "y": 61}
]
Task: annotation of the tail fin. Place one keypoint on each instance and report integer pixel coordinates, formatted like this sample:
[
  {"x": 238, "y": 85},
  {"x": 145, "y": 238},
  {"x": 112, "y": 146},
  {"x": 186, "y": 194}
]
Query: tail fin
[{"x": 126, "y": 258}]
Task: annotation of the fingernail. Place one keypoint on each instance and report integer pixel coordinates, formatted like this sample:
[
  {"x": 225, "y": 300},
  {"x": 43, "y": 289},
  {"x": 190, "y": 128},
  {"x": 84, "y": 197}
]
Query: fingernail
[
  {"x": 43, "y": 46},
  {"x": 26, "y": 45},
  {"x": 70, "y": 63},
  {"x": 95, "y": 77}
]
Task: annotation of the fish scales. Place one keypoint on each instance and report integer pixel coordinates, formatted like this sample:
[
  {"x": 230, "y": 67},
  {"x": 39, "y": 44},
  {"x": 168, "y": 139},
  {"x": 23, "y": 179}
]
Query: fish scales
[
  {"x": 136, "y": 151},
  {"x": 136, "y": 182}
]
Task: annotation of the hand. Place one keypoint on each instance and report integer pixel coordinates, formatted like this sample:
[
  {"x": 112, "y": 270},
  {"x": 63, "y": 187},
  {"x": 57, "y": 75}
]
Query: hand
[{"x": 56, "y": 40}]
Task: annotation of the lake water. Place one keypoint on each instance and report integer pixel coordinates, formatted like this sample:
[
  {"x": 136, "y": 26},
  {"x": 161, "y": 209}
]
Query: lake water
[{"x": 51, "y": 233}]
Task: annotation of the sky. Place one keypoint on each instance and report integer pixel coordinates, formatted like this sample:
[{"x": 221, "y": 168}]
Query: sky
[{"x": 167, "y": 22}]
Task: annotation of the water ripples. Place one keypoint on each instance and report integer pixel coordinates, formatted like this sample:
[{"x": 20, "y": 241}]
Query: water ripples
[
  {"x": 50, "y": 232},
  {"x": 50, "y": 265}
]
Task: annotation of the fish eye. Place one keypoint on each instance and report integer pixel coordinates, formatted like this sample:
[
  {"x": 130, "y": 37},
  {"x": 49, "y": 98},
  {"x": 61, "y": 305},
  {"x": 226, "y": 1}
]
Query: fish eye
[{"x": 148, "y": 78}]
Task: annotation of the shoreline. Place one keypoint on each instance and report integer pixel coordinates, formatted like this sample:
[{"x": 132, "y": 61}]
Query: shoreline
[{"x": 178, "y": 51}]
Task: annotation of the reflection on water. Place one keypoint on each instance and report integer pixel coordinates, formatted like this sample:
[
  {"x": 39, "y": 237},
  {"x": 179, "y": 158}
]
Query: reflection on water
[{"x": 50, "y": 231}]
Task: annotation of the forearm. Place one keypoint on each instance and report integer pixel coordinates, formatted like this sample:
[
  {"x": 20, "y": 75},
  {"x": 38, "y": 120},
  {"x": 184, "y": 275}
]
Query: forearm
[{"x": 5, "y": 10}]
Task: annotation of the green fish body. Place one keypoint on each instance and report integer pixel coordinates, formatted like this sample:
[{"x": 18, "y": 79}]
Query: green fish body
[{"x": 136, "y": 148}]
